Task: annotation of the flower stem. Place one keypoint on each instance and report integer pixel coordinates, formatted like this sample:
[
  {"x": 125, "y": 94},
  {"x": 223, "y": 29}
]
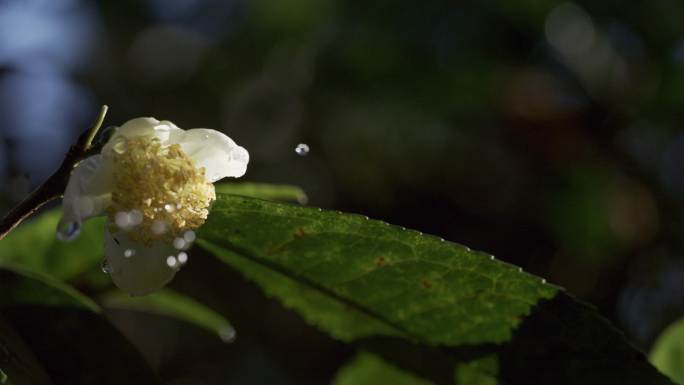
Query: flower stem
[{"x": 54, "y": 186}]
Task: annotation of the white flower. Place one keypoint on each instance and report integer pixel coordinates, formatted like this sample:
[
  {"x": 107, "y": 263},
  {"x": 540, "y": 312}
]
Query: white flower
[{"x": 153, "y": 180}]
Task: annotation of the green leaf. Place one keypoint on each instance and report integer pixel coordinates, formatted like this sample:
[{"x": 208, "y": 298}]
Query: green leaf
[
  {"x": 65, "y": 332},
  {"x": 368, "y": 369},
  {"x": 422, "y": 303},
  {"x": 21, "y": 285},
  {"x": 34, "y": 245},
  {"x": 271, "y": 192},
  {"x": 172, "y": 304},
  {"x": 356, "y": 277},
  {"x": 667, "y": 353}
]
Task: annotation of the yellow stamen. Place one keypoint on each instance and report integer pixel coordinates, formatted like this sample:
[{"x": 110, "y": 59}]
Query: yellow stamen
[{"x": 160, "y": 182}]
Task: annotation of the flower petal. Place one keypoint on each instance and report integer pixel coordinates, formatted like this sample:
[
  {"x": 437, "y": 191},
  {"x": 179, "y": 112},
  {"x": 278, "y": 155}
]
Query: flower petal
[
  {"x": 135, "y": 268},
  {"x": 213, "y": 150},
  {"x": 138, "y": 127},
  {"x": 88, "y": 192}
]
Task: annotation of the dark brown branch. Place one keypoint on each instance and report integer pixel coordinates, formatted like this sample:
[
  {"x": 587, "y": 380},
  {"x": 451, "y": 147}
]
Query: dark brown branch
[{"x": 54, "y": 186}]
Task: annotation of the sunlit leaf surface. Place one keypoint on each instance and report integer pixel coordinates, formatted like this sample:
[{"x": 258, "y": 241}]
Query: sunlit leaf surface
[
  {"x": 356, "y": 277},
  {"x": 271, "y": 192},
  {"x": 420, "y": 302}
]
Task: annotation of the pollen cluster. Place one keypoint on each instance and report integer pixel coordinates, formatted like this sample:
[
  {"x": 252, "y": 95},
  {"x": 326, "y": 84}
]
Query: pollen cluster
[{"x": 158, "y": 191}]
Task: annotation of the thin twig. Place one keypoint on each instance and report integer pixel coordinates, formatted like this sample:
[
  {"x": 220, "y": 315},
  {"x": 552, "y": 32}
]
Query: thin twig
[{"x": 54, "y": 186}]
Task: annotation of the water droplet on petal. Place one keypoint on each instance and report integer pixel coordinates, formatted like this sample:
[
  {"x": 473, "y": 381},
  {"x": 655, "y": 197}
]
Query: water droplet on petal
[
  {"x": 106, "y": 267},
  {"x": 179, "y": 243},
  {"x": 171, "y": 261},
  {"x": 68, "y": 231},
  {"x": 189, "y": 236},
  {"x": 227, "y": 334},
  {"x": 159, "y": 227},
  {"x": 302, "y": 149},
  {"x": 182, "y": 257},
  {"x": 135, "y": 217},
  {"x": 122, "y": 220},
  {"x": 169, "y": 208},
  {"x": 129, "y": 253}
]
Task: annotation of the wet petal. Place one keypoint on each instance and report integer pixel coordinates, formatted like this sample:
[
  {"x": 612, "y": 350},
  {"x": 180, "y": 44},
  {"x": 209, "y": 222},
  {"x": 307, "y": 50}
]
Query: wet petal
[
  {"x": 217, "y": 153},
  {"x": 142, "y": 127},
  {"x": 137, "y": 127},
  {"x": 136, "y": 268},
  {"x": 88, "y": 192}
]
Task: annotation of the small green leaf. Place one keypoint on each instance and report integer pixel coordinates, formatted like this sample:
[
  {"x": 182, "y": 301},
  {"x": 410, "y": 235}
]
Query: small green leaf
[
  {"x": 271, "y": 192},
  {"x": 368, "y": 369},
  {"x": 27, "y": 287},
  {"x": 66, "y": 334},
  {"x": 35, "y": 246},
  {"x": 172, "y": 304},
  {"x": 667, "y": 353}
]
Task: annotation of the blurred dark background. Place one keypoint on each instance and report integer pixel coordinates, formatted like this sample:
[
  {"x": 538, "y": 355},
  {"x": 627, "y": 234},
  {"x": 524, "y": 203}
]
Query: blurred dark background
[{"x": 547, "y": 133}]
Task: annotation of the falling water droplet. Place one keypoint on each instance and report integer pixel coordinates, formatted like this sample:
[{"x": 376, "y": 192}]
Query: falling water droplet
[
  {"x": 182, "y": 257},
  {"x": 227, "y": 334},
  {"x": 129, "y": 253},
  {"x": 68, "y": 231},
  {"x": 189, "y": 236},
  {"x": 543, "y": 280},
  {"x": 179, "y": 243},
  {"x": 106, "y": 267},
  {"x": 302, "y": 149},
  {"x": 169, "y": 208},
  {"x": 171, "y": 261}
]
